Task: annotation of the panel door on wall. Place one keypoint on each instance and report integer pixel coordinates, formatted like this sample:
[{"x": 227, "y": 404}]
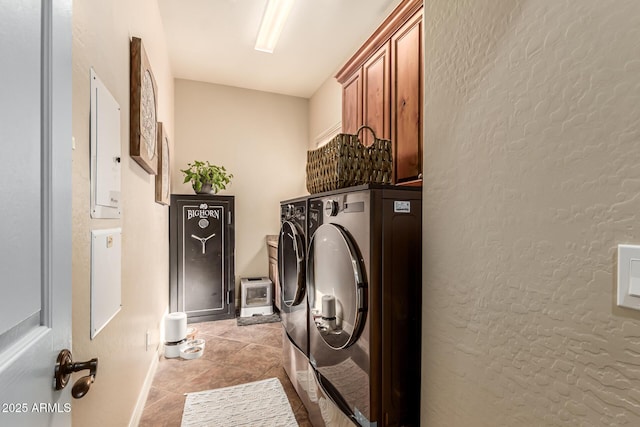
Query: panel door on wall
[
  {"x": 406, "y": 95},
  {"x": 202, "y": 256},
  {"x": 375, "y": 95},
  {"x": 352, "y": 103}
]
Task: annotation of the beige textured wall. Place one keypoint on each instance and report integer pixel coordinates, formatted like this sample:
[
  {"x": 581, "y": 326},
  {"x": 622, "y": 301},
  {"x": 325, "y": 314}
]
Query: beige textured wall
[
  {"x": 102, "y": 32},
  {"x": 261, "y": 138},
  {"x": 532, "y": 178},
  {"x": 325, "y": 111}
]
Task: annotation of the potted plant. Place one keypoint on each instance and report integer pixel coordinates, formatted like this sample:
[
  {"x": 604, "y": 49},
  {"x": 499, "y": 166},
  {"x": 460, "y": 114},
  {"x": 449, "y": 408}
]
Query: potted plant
[{"x": 205, "y": 177}]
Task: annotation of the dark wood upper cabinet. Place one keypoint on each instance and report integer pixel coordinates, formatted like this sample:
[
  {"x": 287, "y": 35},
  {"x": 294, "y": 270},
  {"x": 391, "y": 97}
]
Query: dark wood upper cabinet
[
  {"x": 382, "y": 88},
  {"x": 406, "y": 92},
  {"x": 375, "y": 95},
  {"x": 352, "y": 103}
]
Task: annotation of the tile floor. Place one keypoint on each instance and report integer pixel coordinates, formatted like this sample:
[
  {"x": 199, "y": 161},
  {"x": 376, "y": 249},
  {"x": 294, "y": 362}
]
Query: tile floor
[{"x": 233, "y": 355}]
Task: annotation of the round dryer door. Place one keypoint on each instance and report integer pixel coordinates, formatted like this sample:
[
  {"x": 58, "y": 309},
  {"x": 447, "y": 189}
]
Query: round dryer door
[
  {"x": 337, "y": 286},
  {"x": 291, "y": 264}
]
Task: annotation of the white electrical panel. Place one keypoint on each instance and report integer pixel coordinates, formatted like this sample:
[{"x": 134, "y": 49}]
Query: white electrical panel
[
  {"x": 106, "y": 268},
  {"x": 105, "y": 151}
]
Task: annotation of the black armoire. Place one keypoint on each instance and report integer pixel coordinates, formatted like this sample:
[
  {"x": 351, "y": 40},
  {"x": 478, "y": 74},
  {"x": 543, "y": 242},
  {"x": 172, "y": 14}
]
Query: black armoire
[{"x": 202, "y": 248}]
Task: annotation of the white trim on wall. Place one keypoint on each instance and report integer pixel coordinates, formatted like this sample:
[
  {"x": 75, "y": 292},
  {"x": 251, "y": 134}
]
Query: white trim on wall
[
  {"x": 138, "y": 410},
  {"x": 329, "y": 133},
  {"x": 136, "y": 416}
]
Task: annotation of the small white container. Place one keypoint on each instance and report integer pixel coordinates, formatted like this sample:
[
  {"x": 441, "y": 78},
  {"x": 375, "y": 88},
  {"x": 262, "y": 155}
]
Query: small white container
[
  {"x": 191, "y": 352},
  {"x": 195, "y": 343},
  {"x": 175, "y": 327},
  {"x": 172, "y": 349}
]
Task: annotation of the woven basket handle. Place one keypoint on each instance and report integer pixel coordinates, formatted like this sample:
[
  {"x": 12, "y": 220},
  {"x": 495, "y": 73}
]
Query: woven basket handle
[{"x": 366, "y": 127}]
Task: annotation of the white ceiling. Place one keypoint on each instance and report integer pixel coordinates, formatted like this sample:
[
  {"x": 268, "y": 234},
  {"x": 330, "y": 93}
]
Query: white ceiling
[{"x": 212, "y": 41}]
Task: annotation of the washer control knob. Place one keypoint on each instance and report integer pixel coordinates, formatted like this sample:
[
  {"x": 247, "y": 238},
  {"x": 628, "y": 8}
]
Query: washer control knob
[
  {"x": 290, "y": 211},
  {"x": 331, "y": 208}
]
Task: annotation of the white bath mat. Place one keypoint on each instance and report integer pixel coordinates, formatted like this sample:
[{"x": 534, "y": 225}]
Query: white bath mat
[{"x": 261, "y": 403}]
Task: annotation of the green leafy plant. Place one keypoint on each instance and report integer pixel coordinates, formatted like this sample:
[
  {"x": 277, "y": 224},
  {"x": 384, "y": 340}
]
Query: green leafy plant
[{"x": 202, "y": 173}]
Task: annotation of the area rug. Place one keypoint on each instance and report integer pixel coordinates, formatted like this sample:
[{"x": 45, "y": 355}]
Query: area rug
[
  {"x": 256, "y": 320},
  {"x": 261, "y": 403}
]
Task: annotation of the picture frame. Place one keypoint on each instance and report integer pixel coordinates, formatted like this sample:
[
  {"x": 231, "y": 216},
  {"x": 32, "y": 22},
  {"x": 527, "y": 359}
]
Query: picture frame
[
  {"x": 163, "y": 177},
  {"x": 143, "y": 140}
]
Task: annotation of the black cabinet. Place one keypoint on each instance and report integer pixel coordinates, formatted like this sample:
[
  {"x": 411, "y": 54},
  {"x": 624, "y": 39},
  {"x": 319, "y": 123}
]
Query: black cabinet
[{"x": 202, "y": 247}]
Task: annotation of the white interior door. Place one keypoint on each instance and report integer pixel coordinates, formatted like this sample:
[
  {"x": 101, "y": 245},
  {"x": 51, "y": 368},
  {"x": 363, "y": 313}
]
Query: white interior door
[{"x": 35, "y": 209}]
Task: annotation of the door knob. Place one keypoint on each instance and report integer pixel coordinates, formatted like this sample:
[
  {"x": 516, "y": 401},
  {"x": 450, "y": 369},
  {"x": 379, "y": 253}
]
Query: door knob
[{"x": 65, "y": 367}]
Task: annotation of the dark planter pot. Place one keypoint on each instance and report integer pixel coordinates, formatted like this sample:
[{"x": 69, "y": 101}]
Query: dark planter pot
[{"x": 206, "y": 189}]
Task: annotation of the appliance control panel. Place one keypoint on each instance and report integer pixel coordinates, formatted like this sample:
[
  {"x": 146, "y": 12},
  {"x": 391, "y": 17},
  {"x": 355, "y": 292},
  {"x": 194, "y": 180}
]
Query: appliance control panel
[
  {"x": 331, "y": 208},
  {"x": 291, "y": 211},
  {"x": 315, "y": 216}
]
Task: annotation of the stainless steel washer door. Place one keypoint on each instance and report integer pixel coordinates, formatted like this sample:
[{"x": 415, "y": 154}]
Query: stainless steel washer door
[
  {"x": 336, "y": 286},
  {"x": 291, "y": 265}
]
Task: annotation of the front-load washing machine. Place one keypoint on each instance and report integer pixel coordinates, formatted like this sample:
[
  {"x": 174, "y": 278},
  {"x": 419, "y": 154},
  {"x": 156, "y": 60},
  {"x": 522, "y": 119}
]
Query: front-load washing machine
[
  {"x": 291, "y": 277},
  {"x": 364, "y": 291}
]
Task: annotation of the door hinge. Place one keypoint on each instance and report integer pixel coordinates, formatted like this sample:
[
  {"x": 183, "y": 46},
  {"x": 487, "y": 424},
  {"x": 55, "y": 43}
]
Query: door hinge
[
  {"x": 228, "y": 297},
  {"x": 229, "y": 218}
]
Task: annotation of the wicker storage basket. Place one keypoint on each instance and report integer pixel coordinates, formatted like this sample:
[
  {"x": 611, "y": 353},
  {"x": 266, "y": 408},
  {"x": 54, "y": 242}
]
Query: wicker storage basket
[{"x": 344, "y": 162}]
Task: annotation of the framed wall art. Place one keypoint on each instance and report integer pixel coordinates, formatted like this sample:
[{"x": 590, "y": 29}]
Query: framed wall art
[
  {"x": 143, "y": 145},
  {"x": 164, "y": 169}
]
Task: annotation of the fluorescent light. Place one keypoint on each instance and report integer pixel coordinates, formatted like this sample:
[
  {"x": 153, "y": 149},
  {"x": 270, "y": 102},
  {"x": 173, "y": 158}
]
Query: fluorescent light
[{"x": 275, "y": 16}]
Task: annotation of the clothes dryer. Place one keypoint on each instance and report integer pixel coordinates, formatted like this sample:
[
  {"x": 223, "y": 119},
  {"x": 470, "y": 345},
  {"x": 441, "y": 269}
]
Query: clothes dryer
[
  {"x": 292, "y": 281},
  {"x": 364, "y": 291}
]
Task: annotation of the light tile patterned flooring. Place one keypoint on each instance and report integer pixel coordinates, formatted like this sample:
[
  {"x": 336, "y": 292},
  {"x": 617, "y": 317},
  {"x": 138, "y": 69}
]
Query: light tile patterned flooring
[{"x": 233, "y": 355}]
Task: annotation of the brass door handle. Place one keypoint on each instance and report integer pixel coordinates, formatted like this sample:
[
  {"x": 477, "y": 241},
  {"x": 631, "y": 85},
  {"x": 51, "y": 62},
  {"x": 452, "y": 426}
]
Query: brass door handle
[{"x": 65, "y": 367}]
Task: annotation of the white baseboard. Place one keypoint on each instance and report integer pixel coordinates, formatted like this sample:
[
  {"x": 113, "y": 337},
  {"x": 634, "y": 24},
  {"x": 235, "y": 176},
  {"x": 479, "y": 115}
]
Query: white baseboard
[{"x": 144, "y": 393}]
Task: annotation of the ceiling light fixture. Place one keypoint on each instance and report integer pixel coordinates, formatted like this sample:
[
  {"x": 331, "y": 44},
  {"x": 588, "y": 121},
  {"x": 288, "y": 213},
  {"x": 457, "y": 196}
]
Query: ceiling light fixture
[{"x": 275, "y": 16}]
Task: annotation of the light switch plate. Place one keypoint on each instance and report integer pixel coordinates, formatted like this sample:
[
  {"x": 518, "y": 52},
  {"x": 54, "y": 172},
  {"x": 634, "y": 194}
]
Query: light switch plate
[{"x": 629, "y": 276}]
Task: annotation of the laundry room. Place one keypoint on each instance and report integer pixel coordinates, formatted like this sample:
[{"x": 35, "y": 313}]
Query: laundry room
[
  {"x": 259, "y": 130},
  {"x": 468, "y": 258}
]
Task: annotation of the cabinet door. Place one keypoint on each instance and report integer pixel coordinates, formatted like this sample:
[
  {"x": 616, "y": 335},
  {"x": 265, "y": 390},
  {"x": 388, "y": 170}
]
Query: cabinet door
[
  {"x": 375, "y": 95},
  {"x": 406, "y": 95},
  {"x": 352, "y": 103}
]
